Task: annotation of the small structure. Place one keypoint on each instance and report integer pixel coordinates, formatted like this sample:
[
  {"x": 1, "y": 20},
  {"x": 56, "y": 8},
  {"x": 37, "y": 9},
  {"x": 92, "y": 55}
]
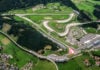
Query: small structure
[
  {"x": 97, "y": 63},
  {"x": 57, "y": 58},
  {"x": 4, "y": 57},
  {"x": 37, "y": 7},
  {"x": 71, "y": 51},
  {"x": 86, "y": 62},
  {"x": 97, "y": 60},
  {"x": 4, "y": 65}
]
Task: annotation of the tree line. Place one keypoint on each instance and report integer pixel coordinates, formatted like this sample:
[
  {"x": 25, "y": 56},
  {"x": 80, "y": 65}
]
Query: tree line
[{"x": 16, "y": 4}]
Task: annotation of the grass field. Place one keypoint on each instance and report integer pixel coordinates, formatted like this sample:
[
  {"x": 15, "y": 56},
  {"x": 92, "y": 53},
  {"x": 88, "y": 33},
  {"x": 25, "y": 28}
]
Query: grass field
[
  {"x": 55, "y": 8},
  {"x": 40, "y": 11},
  {"x": 21, "y": 58},
  {"x": 87, "y": 6},
  {"x": 44, "y": 65},
  {"x": 94, "y": 1},
  {"x": 58, "y": 27},
  {"x": 92, "y": 30},
  {"x": 76, "y": 64},
  {"x": 40, "y": 18},
  {"x": 66, "y": 11}
]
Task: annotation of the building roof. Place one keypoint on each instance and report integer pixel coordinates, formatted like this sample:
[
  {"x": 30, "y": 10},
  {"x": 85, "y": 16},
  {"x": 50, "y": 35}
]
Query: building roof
[
  {"x": 90, "y": 40},
  {"x": 57, "y": 58}
]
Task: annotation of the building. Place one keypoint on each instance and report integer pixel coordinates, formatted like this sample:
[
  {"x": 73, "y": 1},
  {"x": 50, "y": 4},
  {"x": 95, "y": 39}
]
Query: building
[
  {"x": 4, "y": 65},
  {"x": 89, "y": 41},
  {"x": 57, "y": 58},
  {"x": 86, "y": 62}
]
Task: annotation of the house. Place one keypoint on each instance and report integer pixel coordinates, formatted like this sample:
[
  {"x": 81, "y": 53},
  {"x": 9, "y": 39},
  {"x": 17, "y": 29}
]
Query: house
[
  {"x": 97, "y": 63},
  {"x": 86, "y": 62},
  {"x": 97, "y": 60}
]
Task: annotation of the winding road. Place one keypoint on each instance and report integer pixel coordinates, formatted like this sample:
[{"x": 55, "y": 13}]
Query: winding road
[
  {"x": 66, "y": 20},
  {"x": 43, "y": 32},
  {"x": 29, "y": 51},
  {"x": 68, "y": 28},
  {"x": 45, "y": 23}
]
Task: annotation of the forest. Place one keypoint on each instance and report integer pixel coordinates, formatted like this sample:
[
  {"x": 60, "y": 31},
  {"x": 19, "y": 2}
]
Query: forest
[{"x": 6, "y": 5}]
